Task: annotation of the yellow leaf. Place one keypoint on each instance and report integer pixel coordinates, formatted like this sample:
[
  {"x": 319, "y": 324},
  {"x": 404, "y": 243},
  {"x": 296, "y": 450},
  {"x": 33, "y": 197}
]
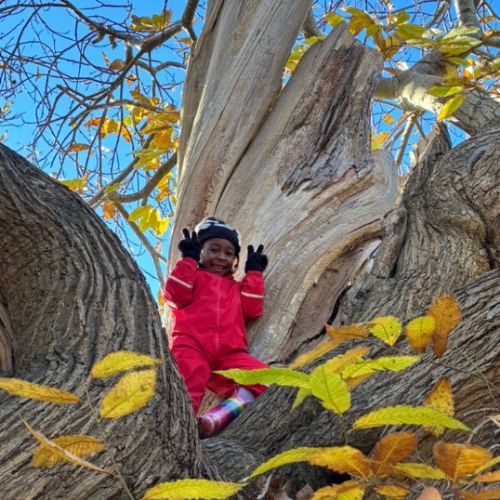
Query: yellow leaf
[
  {"x": 330, "y": 389},
  {"x": 441, "y": 399},
  {"x": 148, "y": 217},
  {"x": 488, "y": 465},
  {"x": 430, "y": 493},
  {"x": 343, "y": 459},
  {"x": 21, "y": 388},
  {"x": 384, "y": 363},
  {"x": 348, "y": 490},
  {"x": 302, "y": 394},
  {"x": 314, "y": 354},
  {"x": 386, "y": 328},
  {"x": 407, "y": 415},
  {"x": 419, "y": 471},
  {"x": 459, "y": 460},
  {"x": 108, "y": 209},
  {"x": 392, "y": 491},
  {"x": 450, "y": 106},
  {"x": 339, "y": 362},
  {"x": 78, "y": 147},
  {"x": 109, "y": 126},
  {"x": 377, "y": 140},
  {"x": 446, "y": 313},
  {"x": 77, "y": 445},
  {"x": 352, "y": 383},
  {"x": 278, "y": 376},
  {"x": 79, "y": 184},
  {"x": 121, "y": 361},
  {"x": 419, "y": 332},
  {"x": 286, "y": 457},
  {"x": 390, "y": 450},
  {"x": 191, "y": 489},
  {"x": 333, "y": 19},
  {"x": 65, "y": 455},
  {"x": 487, "y": 494},
  {"x": 132, "y": 392},
  {"x": 488, "y": 477}
]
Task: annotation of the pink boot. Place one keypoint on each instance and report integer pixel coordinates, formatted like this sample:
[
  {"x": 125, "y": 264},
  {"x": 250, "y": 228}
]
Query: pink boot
[{"x": 216, "y": 419}]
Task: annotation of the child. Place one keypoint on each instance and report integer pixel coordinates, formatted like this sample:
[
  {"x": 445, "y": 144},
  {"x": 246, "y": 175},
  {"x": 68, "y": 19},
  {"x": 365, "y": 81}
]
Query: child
[{"x": 210, "y": 309}]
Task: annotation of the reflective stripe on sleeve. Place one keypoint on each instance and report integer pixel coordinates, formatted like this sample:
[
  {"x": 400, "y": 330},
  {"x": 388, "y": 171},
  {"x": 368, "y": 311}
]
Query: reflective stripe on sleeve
[
  {"x": 178, "y": 280},
  {"x": 252, "y": 295}
]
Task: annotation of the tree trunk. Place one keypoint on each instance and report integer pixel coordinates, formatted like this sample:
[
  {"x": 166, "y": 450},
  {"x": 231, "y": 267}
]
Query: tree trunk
[{"x": 70, "y": 294}]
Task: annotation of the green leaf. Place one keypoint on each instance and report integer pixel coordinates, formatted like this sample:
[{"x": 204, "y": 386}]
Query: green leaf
[
  {"x": 407, "y": 415},
  {"x": 278, "y": 376},
  {"x": 287, "y": 457},
  {"x": 302, "y": 394},
  {"x": 461, "y": 30},
  {"x": 386, "y": 363},
  {"x": 411, "y": 31},
  {"x": 330, "y": 389},
  {"x": 444, "y": 90},
  {"x": 449, "y": 107},
  {"x": 191, "y": 489}
]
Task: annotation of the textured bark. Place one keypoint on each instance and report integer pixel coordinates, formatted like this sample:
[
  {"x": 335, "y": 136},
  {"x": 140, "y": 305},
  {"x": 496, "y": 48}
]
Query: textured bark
[
  {"x": 73, "y": 295},
  {"x": 442, "y": 241}
]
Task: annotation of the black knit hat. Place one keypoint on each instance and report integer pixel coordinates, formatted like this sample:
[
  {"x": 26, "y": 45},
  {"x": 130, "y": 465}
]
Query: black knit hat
[{"x": 215, "y": 228}]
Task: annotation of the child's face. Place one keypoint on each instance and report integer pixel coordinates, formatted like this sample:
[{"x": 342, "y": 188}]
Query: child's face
[{"x": 218, "y": 256}]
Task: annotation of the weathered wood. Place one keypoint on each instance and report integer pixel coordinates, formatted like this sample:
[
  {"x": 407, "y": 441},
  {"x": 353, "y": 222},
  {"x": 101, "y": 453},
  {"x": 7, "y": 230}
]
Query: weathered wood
[
  {"x": 73, "y": 295},
  {"x": 307, "y": 187}
]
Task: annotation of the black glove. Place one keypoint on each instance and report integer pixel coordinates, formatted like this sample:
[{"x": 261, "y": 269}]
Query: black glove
[
  {"x": 190, "y": 245},
  {"x": 256, "y": 260}
]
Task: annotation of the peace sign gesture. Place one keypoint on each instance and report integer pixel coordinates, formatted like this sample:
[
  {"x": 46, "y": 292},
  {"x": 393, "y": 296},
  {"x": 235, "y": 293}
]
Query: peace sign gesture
[{"x": 256, "y": 260}]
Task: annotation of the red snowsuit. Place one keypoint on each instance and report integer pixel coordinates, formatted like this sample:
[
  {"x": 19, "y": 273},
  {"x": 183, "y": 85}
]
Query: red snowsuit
[{"x": 208, "y": 332}]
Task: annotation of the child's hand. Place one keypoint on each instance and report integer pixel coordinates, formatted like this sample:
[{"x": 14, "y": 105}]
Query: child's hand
[
  {"x": 190, "y": 245},
  {"x": 256, "y": 260}
]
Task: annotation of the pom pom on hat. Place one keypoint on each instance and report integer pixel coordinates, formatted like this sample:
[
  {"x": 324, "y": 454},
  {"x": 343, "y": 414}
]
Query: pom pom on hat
[{"x": 215, "y": 228}]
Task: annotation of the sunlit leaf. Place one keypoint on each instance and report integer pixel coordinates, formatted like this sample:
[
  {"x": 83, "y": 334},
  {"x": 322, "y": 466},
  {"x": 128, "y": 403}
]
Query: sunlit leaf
[
  {"x": 446, "y": 313},
  {"x": 488, "y": 477},
  {"x": 302, "y": 394},
  {"x": 116, "y": 65},
  {"x": 450, "y": 106},
  {"x": 441, "y": 399},
  {"x": 419, "y": 332},
  {"x": 79, "y": 184},
  {"x": 348, "y": 490},
  {"x": 78, "y": 147},
  {"x": 392, "y": 491},
  {"x": 23, "y": 389},
  {"x": 377, "y": 140},
  {"x": 409, "y": 415},
  {"x": 64, "y": 455},
  {"x": 108, "y": 209},
  {"x": 132, "y": 392},
  {"x": 343, "y": 459},
  {"x": 389, "y": 119},
  {"x": 386, "y": 328},
  {"x": 278, "y": 376},
  {"x": 76, "y": 444},
  {"x": 488, "y": 465},
  {"x": 390, "y": 450},
  {"x": 333, "y": 19},
  {"x": 459, "y": 460},
  {"x": 444, "y": 90},
  {"x": 148, "y": 217},
  {"x": 385, "y": 363},
  {"x": 121, "y": 361},
  {"x": 338, "y": 363},
  {"x": 330, "y": 389},
  {"x": 419, "y": 471},
  {"x": 192, "y": 489},
  {"x": 287, "y": 457}
]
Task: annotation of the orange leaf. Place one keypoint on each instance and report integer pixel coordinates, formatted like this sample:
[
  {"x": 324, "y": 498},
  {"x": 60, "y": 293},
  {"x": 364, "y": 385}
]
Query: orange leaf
[
  {"x": 446, "y": 313},
  {"x": 459, "y": 460},
  {"x": 335, "y": 491},
  {"x": 343, "y": 459},
  {"x": 441, "y": 399},
  {"x": 78, "y": 147},
  {"x": 488, "y": 477},
  {"x": 390, "y": 450},
  {"x": 108, "y": 209}
]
